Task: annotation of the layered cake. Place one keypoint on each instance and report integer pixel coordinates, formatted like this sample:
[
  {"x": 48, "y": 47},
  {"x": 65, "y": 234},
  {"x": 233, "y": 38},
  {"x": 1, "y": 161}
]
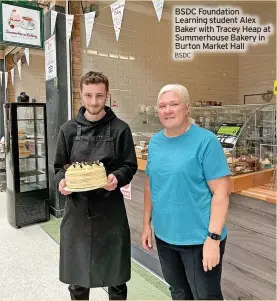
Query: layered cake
[{"x": 85, "y": 176}]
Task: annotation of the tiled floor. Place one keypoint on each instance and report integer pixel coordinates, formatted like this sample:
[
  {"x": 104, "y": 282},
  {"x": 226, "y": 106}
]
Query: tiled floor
[
  {"x": 29, "y": 264},
  {"x": 29, "y": 267}
]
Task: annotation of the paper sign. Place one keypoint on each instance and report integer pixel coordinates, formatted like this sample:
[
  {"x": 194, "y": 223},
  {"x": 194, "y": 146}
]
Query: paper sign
[
  {"x": 19, "y": 68},
  {"x": 6, "y": 80},
  {"x": 126, "y": 191},
  {"x": 50, "y": 58},
  {"x": 158, "y": 4},
  {"x": 53, "y": 20},
  {"x": 69, "y": 24},
  {"x": 12, "y": 75},
  {"x": 89, "y": 21},
  {"x": 117, "y": 9},
  {"x": 27, "y": 55}
]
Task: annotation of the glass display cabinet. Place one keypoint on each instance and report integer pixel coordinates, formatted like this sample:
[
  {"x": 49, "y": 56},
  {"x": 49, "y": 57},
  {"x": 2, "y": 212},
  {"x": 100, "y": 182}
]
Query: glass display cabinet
[
  {"x": 26, "y": 163},
  {"x": 255, "y": 146},
  {"x": 211, "y": 117}
]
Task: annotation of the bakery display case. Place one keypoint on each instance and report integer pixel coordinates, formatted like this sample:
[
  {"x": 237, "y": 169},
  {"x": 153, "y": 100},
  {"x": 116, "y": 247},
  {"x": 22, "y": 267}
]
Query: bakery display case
[
  {"x": 247, "y": 134},
  {"x": 211, "y": 117},
  {"x": 258, "y": 134},
  {"x": 253, "y": 157},
  {"x": 26, "y": 163}
]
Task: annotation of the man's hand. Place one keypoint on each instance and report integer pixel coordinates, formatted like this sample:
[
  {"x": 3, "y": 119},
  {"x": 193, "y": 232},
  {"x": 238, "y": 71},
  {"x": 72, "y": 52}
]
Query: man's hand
[
  {"x": 112, "y": 183},
  {"x": 146, "y": 237},
  {"x": 62, "y": 185},
  {"x": 211, "y": 254}
]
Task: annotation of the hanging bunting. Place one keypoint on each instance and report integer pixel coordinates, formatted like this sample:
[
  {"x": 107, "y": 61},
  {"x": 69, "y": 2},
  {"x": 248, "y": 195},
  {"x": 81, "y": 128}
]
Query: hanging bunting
[
  {"x": 27, "y": 55},
  {"x": 1, "y": 77},
  {"x": 6, "y": 80},
  {"x": 19, "y": 68},
  {"x": 69, "y": 24},
  {"x": 89, "y": 21},
  {"x": 12, "y": 75},
  {"x": 117, "y": 9},
  {"x": 53, "y": 20},
  {"x": 158, "y": 4}
]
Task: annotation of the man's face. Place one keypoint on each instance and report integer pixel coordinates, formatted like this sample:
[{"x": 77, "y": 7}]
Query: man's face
[
  {"x": 173, "y": 112},
  {"x": 94, "y": 97}
]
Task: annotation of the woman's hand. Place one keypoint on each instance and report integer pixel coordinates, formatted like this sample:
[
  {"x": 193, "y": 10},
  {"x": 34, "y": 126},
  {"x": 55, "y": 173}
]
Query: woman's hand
[
  {"x": 211, "y": 254},
  {"x": 146, "y": 237}
]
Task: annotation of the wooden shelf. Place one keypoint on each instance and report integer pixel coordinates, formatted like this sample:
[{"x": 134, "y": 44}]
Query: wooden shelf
[
  {"x": 250, "y": 180},
  {"x": 142, "y": 164},
  {"x": 265, "y": 192}
]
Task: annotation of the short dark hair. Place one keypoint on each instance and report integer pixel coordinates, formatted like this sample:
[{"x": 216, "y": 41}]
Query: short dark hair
[{"x": 93, "y": 77}]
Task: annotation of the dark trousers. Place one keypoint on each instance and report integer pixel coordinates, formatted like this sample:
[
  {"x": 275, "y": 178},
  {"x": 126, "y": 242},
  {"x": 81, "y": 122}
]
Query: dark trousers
[
  {"x": 118, "y": 292},
  {"x": 183, "y": 270}
]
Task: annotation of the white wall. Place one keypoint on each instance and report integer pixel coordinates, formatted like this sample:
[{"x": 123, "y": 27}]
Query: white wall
[
  {"x": 147, "y": 45},
  {"x": 33, "y": 78},
  {"x": 257, "y": 68}
]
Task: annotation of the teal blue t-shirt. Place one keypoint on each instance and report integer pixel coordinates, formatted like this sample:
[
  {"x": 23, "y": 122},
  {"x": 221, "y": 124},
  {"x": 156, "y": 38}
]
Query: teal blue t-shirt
[{"x": 179, "y": 169}]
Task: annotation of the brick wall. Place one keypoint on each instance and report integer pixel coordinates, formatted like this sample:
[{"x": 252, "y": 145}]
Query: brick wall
[
  {"x": 257, "y": 68},
  {"x": 139, "y": 64},
  {"x": 76, "y": 55},
  {"x": 10, "y": 89}
]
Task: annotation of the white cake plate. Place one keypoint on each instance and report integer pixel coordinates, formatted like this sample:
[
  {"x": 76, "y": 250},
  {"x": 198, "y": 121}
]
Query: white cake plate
[{"x": 82, "y": 189}]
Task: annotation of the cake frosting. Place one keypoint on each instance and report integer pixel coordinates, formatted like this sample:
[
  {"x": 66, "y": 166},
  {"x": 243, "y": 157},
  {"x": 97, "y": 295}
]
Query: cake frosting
[{"x": 86, "y": 175}]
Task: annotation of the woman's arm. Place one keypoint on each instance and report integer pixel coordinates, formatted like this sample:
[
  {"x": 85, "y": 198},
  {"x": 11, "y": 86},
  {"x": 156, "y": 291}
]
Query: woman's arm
[
  {"x": 221, "y": 190},
  {"x": 147, "y": 217},
  {"x": 147, "y": 213}
]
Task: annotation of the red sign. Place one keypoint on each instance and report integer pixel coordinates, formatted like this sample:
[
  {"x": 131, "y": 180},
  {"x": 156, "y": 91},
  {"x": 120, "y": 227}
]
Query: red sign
[{"x": 126, "y": 191}]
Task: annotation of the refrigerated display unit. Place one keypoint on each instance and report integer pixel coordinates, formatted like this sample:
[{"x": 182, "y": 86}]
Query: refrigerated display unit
[{"x": 26, "y": 163}]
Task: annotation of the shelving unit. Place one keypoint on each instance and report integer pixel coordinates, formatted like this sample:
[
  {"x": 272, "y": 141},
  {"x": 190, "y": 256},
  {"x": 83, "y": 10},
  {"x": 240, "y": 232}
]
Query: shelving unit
[{"x": 27, "y": 163}]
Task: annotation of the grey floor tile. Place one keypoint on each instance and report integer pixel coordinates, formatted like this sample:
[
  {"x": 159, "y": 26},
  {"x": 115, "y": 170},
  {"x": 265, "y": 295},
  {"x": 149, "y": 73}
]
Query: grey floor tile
[{"x": 29, "y": 264}]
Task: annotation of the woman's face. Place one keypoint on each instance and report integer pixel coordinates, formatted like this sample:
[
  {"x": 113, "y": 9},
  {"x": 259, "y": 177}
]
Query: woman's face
[{"x": 173, "y": 112}]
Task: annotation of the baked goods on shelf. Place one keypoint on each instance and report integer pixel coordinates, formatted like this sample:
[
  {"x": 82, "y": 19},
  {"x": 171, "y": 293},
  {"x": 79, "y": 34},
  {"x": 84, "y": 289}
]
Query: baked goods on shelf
[
  {"x": 143, "y": 143},
  {"x": 141, "y": 151},
  {"x": 85, "y": 176},
  {"x": 244, "y": 164},
  {"x": 266, "y": 163},
  {"x": 21, "y": 134},
  {"x": 23, "y": 152}
]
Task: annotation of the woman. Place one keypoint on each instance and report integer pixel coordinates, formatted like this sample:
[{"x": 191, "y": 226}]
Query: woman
[{"x": 187, "y": 192}]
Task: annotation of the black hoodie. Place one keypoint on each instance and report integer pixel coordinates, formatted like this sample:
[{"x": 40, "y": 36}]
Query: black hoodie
[{"x": 124, "y": 166}]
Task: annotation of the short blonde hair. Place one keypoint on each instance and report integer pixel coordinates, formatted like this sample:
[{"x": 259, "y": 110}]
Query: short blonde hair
[
  {"x": 182, "y": 93},
  {"x": 177, "y": 88}
]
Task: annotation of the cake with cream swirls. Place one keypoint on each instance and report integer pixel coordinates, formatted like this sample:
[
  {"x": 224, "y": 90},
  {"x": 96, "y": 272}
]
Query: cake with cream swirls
[{"x": 85, "y": 176}]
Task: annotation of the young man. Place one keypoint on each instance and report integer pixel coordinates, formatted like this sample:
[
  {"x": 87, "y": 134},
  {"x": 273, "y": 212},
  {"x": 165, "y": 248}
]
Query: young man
[
  {"x": 187, "y": 196},
  {"x": 95, "y": 236}
]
